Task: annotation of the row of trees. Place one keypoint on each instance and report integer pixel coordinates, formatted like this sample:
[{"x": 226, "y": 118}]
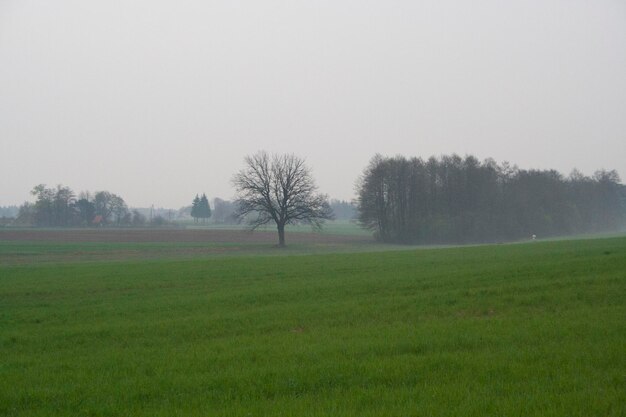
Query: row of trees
[
  {"x": 459, "y": 200},
  {"x": 59, "y": 207}
]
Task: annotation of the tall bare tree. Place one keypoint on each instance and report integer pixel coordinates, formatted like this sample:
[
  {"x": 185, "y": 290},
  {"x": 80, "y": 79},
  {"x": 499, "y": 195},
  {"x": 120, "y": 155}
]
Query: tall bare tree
[{"x": 279, "y": 189}]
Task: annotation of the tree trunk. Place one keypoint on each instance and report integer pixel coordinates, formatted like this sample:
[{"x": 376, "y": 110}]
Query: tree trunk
[{"x": 281, "y": 235}]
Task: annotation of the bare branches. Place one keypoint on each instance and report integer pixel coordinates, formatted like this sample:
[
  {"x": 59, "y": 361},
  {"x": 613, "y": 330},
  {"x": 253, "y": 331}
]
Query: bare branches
[{"x": 279, "y": 188}]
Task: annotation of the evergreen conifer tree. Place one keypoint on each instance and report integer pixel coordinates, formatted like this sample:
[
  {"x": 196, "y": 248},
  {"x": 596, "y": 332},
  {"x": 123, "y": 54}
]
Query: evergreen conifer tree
[
  {"x": 204, "y": 208},
  {"x": 195, "y": 208}
]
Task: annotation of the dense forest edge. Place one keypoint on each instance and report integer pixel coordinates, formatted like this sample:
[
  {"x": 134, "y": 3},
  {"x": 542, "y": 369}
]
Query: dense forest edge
[{"x": 462, "y": 200}]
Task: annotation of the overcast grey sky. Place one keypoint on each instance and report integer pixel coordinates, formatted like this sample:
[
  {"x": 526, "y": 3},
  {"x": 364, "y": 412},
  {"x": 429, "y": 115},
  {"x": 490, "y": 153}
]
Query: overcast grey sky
[{"x": 158, "y": 100}]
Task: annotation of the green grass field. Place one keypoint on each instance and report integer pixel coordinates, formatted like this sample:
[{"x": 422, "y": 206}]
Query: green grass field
[{"x": 536, "y": 329}]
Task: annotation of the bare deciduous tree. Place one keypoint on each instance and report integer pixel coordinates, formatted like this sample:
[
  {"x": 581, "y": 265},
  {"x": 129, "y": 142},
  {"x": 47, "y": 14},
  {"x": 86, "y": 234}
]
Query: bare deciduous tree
[{"x": 279, "y": 189}]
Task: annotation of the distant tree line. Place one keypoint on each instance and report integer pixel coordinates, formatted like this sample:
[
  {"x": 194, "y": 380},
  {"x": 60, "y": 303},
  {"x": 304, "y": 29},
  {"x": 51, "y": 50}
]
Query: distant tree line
[
  {"x": 60, "y": 207},
  {"x": 9, "y": 211},
  {"x": 461, "y": 200},
  {"x": 343, "y": 210},
  {"x": 8, "y": 214},
  {"x": 224, "y": 211}
]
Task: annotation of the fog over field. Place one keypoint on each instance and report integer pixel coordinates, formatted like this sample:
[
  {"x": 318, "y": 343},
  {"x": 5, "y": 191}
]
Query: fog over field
[{"x": 159, "y": 100}]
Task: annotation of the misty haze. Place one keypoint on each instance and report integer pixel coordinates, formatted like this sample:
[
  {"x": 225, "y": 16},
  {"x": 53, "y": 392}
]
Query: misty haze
[{"x": 280, "y": 208}]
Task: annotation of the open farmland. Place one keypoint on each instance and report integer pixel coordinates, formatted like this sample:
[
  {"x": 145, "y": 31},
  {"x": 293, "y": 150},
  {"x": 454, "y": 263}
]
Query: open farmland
[
  {"x": 503, "y": 330},
  {"x": 74, "y": 245}
]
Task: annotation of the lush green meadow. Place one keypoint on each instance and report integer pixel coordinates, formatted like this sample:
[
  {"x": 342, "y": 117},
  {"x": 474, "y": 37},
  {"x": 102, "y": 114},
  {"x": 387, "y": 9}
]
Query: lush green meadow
[{"x": 536, "y": 329}]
